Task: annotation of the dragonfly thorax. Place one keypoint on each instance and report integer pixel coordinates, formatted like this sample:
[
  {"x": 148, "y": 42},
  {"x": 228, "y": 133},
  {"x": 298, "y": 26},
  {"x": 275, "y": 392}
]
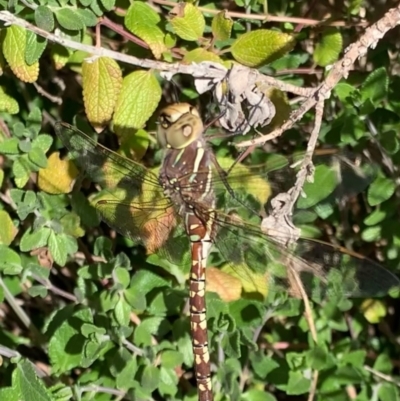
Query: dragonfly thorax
[{"x": 186, "y": 176}]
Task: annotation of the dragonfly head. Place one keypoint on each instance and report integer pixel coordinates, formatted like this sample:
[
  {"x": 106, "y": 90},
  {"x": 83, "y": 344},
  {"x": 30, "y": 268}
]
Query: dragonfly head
[{"x": 179, "y": 124}]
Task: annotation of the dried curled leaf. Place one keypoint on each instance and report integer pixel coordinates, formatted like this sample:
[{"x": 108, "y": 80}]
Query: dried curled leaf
[{"x": 102, "y": 80}]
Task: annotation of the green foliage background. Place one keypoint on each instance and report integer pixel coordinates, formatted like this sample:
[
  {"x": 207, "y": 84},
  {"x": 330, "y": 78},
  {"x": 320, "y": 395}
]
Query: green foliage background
[{"x": 84, "y": 315}]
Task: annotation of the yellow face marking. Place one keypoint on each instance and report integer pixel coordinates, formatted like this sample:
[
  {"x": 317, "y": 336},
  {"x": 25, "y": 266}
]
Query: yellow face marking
[{"x": 194, "y": 226}]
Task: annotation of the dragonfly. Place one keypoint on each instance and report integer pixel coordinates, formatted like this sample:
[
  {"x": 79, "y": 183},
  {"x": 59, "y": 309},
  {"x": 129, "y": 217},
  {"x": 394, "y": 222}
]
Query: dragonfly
[{"x": 190, "y": 206}]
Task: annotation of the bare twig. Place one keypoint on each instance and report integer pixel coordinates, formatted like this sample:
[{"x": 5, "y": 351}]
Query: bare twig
[
  {"x": 382, "y": 376},
  {"x": 266, "y": 18},
  {"x": 339, "y": 70}
]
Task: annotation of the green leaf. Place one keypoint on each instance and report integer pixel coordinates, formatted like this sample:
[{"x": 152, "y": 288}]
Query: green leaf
[
  {"x": 35, "y": 46},
  {"x": 122, "y": 277},
  {"x": 327, "y": 51},
  {"x": 139, "y": 97},
  {"x": 10, "y": 394},
  {"x": 221, "y": 26},
  {"x": 325, "y": 182},
  {"x": 150, "y": 378},
  {"x": 380, "y": 190},
  {"x": 390, "y": 142},
  {"x": 144, "y": 331},
  {"x": 43, "y": 142},
  {"x": 371, "y": 234},
  {"x": 257, "y": 395},
  {"x": 262, "y": 46},
  {"x": 187, "y": 21},
  {"x": 38, "y": 291},
  {"x": 87, "y": 17},
  {"x": 125, "y": 377},
  {"x": 37, "y": 156},
  {"x": 375, "y": 217},
  {"x": 318, "y": 358},
  {"x": 108, "y": 4},
  {"x": 10, "y": 146},
  {"x": 355, "y": 358},
  {"x": 101, "y": 81},
  {"x": 171, "y": 359},
  {"x": 198, "y": 55},
  {"x": 7, "y": 229},
  {"x": 29, "y": 385},
  {"x": 60, "y": 245},
  {"x": 9, "y": 105},
  {"x": 122, "y": 311},
  {"x": 66, "y": 343},
  {"x": 388, "y": 392},
  {"x": 297, "y": 384},
  {"x": 14, "y": 48},
  {"x": 44, "y": 18},
  {"x": 144, "y": 21},
  {"x": 69, "y": 19},
  {"x": 168, "y": 382},
  {"x": 10, "y": 261},
  {"x": 36, "y": 239},
  {"x": 383, "y": 364},
  {"x": 375, "y": 87}
]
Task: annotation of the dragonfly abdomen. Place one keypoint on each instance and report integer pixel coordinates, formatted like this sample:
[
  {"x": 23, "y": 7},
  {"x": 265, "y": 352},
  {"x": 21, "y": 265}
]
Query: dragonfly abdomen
[{"x": 199, "y": 233}]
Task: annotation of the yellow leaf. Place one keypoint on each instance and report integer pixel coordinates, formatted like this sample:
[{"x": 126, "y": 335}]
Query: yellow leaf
[
  {"x": 59, "y": 175},
  {"x": 282, "y": 106},
  {"x": 14, "y": 47},
  {"x": 221, "y": 26},
  {"x": 188, "y": 21},
  {"x": 7, "y": 229},
  {"x": 7, "y": 103},
  {"x": 143, "y": 21},
  {"x": 261, "y": 47},
  {"x": 253, "y": 284},
  {"x": 101, "y": 81},
  {"x": 373, "y": 310},
  {"x": 60, "y": 55},
  {"x": 198, "y": 55},
  {"x": 228, "y": 287},
  {"x": 138, "y": 98}
]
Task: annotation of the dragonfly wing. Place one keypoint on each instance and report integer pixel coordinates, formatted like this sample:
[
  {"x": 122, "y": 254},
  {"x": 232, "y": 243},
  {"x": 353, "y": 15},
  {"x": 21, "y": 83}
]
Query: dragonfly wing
[
  {"x": 324, "y": 270},
  {"x": 156, "y": 226},
  {"x": 103, "y": 166},
  {"x": 335, "y": 177}
]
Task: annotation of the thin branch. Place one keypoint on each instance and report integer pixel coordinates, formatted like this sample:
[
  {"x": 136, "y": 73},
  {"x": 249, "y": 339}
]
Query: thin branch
[
  {"x": 200, "y": 70},
  {"x": 339, "y": 70},
  {"x": 266, "y": 18}
]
